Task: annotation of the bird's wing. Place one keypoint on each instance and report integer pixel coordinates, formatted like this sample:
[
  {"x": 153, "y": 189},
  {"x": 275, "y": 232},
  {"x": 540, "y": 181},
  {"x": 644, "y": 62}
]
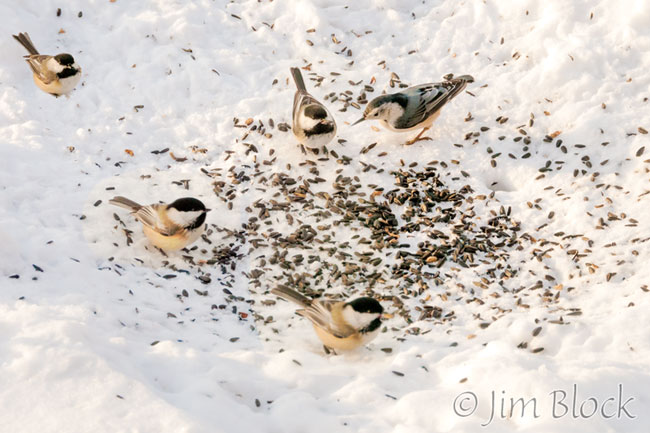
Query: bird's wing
[
  {"x": 320, "y": 313},
  {"x": 302, "y": 99},
  {"x": 149, "y": 216},
  {"x": 37, "y": 63},
  {"x": 426, "y": 99}
]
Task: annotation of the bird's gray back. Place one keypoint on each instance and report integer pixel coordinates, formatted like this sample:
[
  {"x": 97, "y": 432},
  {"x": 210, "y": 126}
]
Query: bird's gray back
[{"x": 425, "y": 100}]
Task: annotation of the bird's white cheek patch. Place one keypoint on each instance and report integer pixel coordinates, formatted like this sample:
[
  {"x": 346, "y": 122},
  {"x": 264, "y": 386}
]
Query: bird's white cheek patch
[
  {"x": 307, "y": 122},
  {"x": 358, "y": 320},
  {"x": 54, "y": 66},
  {"x": 183, "y": 218}
]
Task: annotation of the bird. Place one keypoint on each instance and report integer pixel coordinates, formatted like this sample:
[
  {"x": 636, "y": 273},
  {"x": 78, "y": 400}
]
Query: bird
[
  {"x": 169, "y": 227},
  {"x": 313, "y": 125},
  {"x": 340, "y": 325},
  {"x": 56, "y": 75},
  {"x": 414, "y": 108}
]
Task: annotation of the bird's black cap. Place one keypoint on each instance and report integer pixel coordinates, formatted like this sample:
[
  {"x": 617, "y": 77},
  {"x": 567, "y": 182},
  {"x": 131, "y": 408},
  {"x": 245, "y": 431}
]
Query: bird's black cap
[
  {"x": 366, "y": 305},
  {"x": 188, "y": 204},
  {"x": 315, "y": 112},
  {"x": 64, "y": 59}
]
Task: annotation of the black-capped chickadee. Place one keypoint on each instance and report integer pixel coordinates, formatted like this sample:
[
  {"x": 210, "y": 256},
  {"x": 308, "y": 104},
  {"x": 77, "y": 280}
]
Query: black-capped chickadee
[
  {"x": 414, "y": 108},
  {"x": 340, "y": 325},
  {"x": 313, "y": 125},
  {"x": 56, "y": 75},
  {"x": 172, "y": 226}
]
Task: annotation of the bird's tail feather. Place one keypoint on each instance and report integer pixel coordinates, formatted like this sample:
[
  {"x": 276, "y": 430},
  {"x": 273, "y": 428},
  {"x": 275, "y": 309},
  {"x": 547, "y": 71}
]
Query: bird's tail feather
[
  {"x": 467, "y": 78},
  {"x": 459, "y": 84},
  {"x": 25, "y": 41},
  {"x": 291, "y": 295},
  {"x": 297, "y": 77},
  {"x": 125, "y": 203}
]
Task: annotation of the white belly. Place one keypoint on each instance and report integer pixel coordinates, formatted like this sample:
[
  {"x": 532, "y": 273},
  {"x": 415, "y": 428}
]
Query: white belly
[{"x": 316, "y": 140}]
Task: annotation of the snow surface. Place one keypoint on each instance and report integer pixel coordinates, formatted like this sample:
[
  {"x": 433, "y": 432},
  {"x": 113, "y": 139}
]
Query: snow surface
[{"x": 97, "y": 336}]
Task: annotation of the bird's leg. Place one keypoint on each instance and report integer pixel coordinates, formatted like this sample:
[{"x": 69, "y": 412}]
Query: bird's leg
[
  {"x": 328, "y": 351},
  {"x": 419, "y": 137}
]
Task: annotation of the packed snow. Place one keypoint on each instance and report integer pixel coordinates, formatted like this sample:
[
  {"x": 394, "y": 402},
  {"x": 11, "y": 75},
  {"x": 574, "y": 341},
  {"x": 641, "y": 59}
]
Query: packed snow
[{"x": 101, "y": 332}]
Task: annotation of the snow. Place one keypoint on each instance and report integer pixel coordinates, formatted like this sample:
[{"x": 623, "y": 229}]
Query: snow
[{"x": 97, "y": 335}]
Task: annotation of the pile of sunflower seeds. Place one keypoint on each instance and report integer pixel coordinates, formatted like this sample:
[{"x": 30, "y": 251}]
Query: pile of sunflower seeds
[{"x": 348, "y": 238}]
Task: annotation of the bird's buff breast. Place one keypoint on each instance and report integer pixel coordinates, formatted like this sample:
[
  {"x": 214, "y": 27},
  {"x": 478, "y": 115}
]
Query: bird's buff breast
[
  {"x": 349, "y": 343},
  {"x": 171, "y": 243}
]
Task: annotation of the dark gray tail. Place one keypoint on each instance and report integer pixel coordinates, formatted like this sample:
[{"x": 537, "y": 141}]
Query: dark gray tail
[
  {"x": 291, "y": 295},
  {"x": 297, "y": 77},
  {"x": 25, "y": 41},
  {"x": 125, "y": 203},
  {"x": 466, "y": 78}
]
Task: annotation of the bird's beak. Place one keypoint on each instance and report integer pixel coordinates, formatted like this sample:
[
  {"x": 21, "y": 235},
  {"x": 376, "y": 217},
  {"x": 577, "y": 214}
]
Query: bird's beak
[
  {"x": 207, "y": 210},
  {"x": 358, "y": 121}
]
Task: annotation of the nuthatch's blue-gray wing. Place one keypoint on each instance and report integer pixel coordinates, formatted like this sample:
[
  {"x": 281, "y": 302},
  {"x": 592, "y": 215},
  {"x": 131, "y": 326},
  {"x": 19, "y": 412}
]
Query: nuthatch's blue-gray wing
[{"x": 426, "y": 99}]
